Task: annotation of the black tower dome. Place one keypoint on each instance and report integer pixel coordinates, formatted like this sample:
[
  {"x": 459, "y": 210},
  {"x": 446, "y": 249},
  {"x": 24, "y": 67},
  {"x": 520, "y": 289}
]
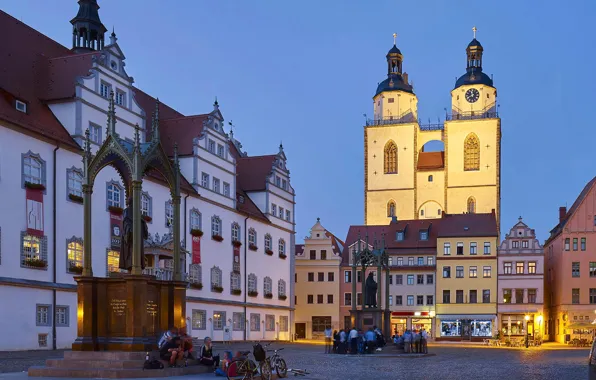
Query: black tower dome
[
  {"x": 88, "y": 31},
  {"x": 395, "y": 79},
  {"x": 474, "y": 74}
]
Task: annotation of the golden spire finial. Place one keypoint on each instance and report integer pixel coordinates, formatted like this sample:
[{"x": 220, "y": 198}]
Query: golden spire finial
[
  {"x": 394, "y": 37},
  {"x": 474, "y": 30}
]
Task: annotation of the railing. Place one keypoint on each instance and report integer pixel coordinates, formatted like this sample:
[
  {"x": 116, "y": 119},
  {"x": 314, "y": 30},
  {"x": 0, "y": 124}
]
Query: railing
[
  {"x": 404, "y": 118},
  {"x": 160, "y": 273},
  {"x": 472, "y": 115},
  {"x": 432, "y": 127}
]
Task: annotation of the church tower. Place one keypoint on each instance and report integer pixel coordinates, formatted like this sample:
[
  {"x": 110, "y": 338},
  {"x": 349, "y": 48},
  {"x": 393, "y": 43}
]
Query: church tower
[
  {"x": 88, "y": 31},
  {"x": 473, "y": 141},
  {"x": 418, "y": 171}
]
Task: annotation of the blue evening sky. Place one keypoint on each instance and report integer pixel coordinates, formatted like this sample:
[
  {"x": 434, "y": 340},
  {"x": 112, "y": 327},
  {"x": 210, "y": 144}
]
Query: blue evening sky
[{"x": 304, "y": 72}]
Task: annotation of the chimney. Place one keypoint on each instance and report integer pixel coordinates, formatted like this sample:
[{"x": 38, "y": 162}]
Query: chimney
[
  {"x": 562, "y": 213},
  {"x": 493, "y": 211}
]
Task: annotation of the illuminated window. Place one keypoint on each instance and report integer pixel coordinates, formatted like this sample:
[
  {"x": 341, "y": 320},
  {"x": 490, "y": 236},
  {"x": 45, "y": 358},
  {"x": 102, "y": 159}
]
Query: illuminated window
[
  {"x": 74, "y": 253},
  {"x": 113, "y": 261},
  {"x": 471, "y": 153},
  {"x": 390, "y": 158}
]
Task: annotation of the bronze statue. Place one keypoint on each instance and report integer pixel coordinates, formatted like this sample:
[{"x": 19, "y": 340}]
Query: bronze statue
[
  {"x": 371, "y": 291},
  {"x": 126, "y": 248}
]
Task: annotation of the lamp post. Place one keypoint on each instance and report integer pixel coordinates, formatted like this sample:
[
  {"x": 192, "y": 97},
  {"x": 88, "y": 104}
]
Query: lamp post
[{"x": 527, "y": 318}]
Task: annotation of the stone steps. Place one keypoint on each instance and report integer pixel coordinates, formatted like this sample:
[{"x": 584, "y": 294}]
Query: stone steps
[{"x": 112, "y": 365}]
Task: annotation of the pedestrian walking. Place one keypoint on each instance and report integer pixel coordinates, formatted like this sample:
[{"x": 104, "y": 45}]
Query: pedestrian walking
[
  {"x": 353, "y": 341},
  {"x": 328, "y": 335}
]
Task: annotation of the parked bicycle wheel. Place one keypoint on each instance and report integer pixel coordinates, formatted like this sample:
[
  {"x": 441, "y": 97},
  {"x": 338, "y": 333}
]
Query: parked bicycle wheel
[
  {"x": 240, "y": 369},
  {"x": 281, "y": 368},
  {"x": 265, "y": 370}
]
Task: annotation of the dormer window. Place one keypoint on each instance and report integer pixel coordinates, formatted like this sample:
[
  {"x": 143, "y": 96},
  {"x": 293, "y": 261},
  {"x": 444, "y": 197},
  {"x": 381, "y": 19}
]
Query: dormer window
[
  {"x": 220, "y": 150},
  {"x": 399, "y": 236},
  {"x": 104, "y": 90},
  {"x": 211, "y": 146},
  {"x": 241, "y": 198},
  {"x": 21, "y": 106},
  {"x": 277, "y": 181},
  {"x": 423, "y": 235},
  {"x": 284, "y": 184}
]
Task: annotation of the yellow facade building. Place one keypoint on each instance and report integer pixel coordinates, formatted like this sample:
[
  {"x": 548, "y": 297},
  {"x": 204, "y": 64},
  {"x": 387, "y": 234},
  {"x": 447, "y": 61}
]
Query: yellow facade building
[
  {"x": 317, "y": 295},
  {"x": 466, "y": 286},
  {"x": 416, "y": 171}
]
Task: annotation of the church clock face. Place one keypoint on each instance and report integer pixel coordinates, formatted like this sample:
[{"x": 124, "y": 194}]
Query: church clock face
[{"x": 472, "y": 95}]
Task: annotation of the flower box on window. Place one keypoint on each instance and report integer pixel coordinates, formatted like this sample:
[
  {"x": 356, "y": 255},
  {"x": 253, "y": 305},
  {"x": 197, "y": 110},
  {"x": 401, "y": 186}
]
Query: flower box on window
[
  {"x": 35, "y": 263},
  {"x": 216, "y": 288},
  {"x": 217, "y": 238},
  {"x": 196, "y": 232},
  {"x": 147, "y": 218},
  {"x": 282, "y": 256},
  {"x": 34, "y": 186},
  {"x": 252, "y": 293},
  {"x": 236, "y": 243},
  {"x": 196, "y": 285},
  {"x": 116, "y": 210},
  {"x": 236, "y": 292},
  {"x": 75, "y": 198},
  {"x": 77, "y": 269},
  {"x": 269, "y": 252},
  {"x": 282, "y": 297},
  {"x": 268, "y": 295},
  {"x": 252, "y": 247}
]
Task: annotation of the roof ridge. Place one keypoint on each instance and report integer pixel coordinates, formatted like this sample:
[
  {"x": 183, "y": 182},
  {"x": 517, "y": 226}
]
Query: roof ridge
[{"x": 185, "y": 117}]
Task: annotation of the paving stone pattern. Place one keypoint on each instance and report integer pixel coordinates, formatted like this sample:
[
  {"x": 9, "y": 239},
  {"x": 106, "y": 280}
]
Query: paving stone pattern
[{"x": 457, "y": 362}]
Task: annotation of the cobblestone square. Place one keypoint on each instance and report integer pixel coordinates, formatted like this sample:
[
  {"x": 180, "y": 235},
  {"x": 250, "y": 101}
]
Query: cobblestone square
[{"x": 452, "y": 362}]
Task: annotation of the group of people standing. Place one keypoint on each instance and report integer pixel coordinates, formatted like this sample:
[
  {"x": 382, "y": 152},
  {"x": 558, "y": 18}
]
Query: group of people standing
[
  {"x": 412, "y": 341},
  {"x": 354, "y": 341}
]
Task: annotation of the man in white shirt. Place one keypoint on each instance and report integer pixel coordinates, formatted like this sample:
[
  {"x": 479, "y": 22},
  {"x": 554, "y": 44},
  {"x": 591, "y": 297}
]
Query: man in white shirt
[
  {"x": 353, "y": 341},
  {"x": 423, "y": 341},
  {"x": 328, "y": 335},
  {"x": 343, "y": 335}
]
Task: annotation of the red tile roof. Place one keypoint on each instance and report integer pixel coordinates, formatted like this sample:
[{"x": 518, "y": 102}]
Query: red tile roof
[
  {"x": 181, "y": 130},
  {"x": 431, "y": 160},
  {"x": 559, "y": 227},
  {"x": 249, "y": 207},
  {"x": 62, "y": 74},
  {"x": 24, "y": 55},
  {"x": 464, "y": 225},
  {"x": 253, "y": 172}
]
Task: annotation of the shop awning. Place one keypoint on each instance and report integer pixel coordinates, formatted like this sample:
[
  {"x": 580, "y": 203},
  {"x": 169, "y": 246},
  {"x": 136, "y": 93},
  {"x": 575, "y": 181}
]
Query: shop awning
[{"x": 465, "y": 316}]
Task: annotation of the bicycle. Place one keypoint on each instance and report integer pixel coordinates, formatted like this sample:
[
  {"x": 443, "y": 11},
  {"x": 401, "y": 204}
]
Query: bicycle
[
  {"x": 277, "y": 363},
  {"x": 245, "y": 368}
]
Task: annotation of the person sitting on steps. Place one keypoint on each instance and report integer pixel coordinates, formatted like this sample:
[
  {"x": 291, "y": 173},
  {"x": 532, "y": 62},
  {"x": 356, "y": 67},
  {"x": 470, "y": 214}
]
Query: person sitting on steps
[
  {"x": 171, "y": 350},
  {"x": 206, "y": 356}
]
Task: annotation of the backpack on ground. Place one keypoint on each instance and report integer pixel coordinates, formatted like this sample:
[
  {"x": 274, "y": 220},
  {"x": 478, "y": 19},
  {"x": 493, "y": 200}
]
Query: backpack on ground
[
  {"x": 259, "y": 353},
  {"x": 152, "y": 364}
]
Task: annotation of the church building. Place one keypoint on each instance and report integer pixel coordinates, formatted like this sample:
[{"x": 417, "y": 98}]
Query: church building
[{"x": 406, "y": 176}]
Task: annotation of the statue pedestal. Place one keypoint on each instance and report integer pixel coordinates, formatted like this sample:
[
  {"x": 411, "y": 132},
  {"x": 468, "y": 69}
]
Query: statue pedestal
[
  {"x": 366, "y": 318},
  {"x": 126, "y": 312}
]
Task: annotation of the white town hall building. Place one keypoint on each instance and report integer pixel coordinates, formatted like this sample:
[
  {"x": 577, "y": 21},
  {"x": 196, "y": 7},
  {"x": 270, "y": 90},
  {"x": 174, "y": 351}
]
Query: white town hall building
[{"x": 240, "y": 271}]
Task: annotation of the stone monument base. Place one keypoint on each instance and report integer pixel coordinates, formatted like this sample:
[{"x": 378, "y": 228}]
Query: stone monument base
[
  {"x": 110, "y": 365},
  {"x": 126, "y": 312},
  {"x": 363, "y": 319}
]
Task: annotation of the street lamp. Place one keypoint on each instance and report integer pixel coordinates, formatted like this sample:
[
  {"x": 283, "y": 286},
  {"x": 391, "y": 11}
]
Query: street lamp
[{"x": 527, "y": 318}]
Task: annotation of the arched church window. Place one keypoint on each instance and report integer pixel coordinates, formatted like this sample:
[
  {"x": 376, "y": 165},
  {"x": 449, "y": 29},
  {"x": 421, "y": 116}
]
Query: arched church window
[
  {"x": 390, "y": 158},
  {"x": 471, "y": 205},
  {"x": 471, "y": 153},
  {"x": 391, "y": 208}
]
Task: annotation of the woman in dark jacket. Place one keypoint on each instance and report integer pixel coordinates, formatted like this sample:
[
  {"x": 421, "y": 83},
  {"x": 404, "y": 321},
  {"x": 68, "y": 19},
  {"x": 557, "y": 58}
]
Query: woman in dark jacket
[
  {"x": 206, "y": 354},
  {"x": 335, "y": 341}
]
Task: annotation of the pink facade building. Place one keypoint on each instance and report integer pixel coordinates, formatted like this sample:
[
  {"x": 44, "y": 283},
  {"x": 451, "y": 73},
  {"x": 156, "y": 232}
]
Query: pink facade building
[
  {"x": 521, "y": 283},
  {"x": 570, "y": 268}
]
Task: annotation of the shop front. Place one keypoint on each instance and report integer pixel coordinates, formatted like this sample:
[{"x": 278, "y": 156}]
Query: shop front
[
  {"x": 465, "y": 327},
  {"x": 411, "y": 320}
]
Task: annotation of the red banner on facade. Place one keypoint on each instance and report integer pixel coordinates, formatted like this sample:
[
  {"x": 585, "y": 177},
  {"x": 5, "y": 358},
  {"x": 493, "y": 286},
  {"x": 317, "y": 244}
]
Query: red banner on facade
[
  {"x": 34, "y": 211},
  {"x": 115, "y": 231},
  {"x": 196, "y": 249},
  {"x": 236, "y": 266}
]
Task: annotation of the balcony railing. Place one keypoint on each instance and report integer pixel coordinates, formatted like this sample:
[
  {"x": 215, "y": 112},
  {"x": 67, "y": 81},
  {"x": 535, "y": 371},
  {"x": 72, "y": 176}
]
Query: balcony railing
[
  {"x": 472, "y": 115},
  {"x": 162, "y": 274},
  {"x": 432, "y": 127},
  {"x": 404, "y": 118}
]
